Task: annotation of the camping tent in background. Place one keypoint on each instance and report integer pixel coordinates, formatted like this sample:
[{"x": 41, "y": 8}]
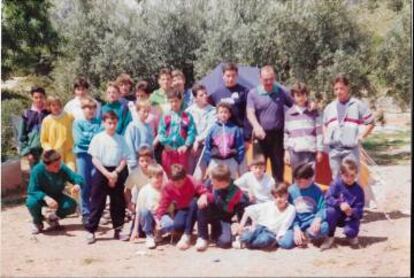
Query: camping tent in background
[{"x": 248, "y": 77}]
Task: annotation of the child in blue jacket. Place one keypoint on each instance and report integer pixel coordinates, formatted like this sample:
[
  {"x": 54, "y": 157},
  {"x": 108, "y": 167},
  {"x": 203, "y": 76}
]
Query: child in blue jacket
[
  {"x": 345, "y": 204},
  {"x": 224, "y": 143}
]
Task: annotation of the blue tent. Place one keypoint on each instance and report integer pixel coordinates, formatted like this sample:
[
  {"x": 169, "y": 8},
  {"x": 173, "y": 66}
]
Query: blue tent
[{"x": 248, "y": 77}]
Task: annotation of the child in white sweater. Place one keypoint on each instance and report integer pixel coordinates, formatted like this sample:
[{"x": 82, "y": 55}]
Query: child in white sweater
[
  {"x": 271, "y": 222},
  {"x": 148, "y": 200}
]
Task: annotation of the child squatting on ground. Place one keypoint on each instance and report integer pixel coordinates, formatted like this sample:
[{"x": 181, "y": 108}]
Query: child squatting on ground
[{"x": 345, "y": 204}]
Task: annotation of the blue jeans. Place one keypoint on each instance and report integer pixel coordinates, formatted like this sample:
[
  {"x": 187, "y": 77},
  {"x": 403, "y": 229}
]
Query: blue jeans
[
  {"x": 287, "y": 241},
  {"x": 259, "y": 238},
  {"x": 184, "y": 220},
  {"x": 85, "y": 168}
]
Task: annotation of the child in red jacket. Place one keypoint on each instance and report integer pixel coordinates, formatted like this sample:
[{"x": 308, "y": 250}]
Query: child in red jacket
[{"x": 182, "y": 189}]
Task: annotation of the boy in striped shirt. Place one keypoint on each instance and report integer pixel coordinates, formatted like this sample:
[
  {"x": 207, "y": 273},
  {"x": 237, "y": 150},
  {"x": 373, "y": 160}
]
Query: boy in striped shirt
[{"x": 303, "y": 130}]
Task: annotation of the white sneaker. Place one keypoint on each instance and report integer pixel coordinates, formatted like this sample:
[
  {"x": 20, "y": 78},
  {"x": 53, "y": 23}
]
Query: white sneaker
[
  {"x": 150, "y": 242},
  {"x": 201, "y": 244},
  {"x": 237, "y": 244},
  {"x": 184, "y": 242},
  {"x": 37, "y": 228},
  {"x": 327, "y": 243},
  {"x": 90, "y": 238}
]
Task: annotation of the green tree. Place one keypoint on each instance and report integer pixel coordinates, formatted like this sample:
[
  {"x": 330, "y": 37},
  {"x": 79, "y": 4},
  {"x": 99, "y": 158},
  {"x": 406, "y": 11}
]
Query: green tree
[
  {"x": 29, "y": 41},
  {"x": 394, "y": 59}
]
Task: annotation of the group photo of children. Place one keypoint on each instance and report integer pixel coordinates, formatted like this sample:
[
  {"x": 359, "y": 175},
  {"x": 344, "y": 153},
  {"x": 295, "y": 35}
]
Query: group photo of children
[{"x": 187, "y": 163}]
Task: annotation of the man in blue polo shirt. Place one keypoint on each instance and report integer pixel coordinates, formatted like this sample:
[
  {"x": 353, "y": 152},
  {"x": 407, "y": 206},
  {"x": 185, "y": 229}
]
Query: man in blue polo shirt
[{"x": 265, "y": 111}]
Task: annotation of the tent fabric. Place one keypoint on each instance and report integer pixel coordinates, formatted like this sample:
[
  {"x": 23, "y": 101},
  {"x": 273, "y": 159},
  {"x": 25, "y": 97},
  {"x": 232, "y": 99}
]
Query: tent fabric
[{"x": 247, "y": 77}]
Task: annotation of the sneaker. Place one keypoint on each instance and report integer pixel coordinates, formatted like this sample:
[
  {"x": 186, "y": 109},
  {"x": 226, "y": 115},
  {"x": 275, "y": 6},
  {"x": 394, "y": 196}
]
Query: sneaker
[
  {"x": 37, "y": 228},
  {"x": 237, "y": 244},
  {"x": 354, "y": 242},
  {"x": 201, "y": 244},
  {"x": 90, "y": 238},
  {"x": 327, "y": 244},
  {"x": 184, "y": 242},
  {"x": 150, "y": 242},
  {"x": 53, "y": 222},
  {"x": 120, "y": 235}
]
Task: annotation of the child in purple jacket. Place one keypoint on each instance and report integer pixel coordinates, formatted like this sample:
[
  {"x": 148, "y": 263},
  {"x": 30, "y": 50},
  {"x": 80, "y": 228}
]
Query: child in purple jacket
[{"x": 345, "y": 203}]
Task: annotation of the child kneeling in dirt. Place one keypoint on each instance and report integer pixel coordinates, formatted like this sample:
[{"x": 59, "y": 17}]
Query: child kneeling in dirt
[
  {"x": 183, "y": 190},
  {"x": 224, "y": 200},
  {"x": 345, "y": 204},
  {"x": 148, "y": 199},
  {"x": 309, "y": 202},
  {"x": 46, "y": 185},
  {"x": 271, "y": 222}
]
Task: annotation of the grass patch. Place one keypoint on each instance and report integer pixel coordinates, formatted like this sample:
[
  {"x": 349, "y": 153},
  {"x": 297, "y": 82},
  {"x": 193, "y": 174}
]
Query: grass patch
[{"x": 384, "y": 147}]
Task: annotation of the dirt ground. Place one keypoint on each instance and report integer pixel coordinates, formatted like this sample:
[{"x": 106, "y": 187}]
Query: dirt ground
[{"x": 385, "y": 252}]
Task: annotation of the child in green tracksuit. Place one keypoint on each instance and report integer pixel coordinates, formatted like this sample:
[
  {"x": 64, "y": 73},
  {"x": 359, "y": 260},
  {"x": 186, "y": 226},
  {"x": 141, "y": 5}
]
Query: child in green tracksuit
[
  {"x": 46, "y": 185},
  {"x": 176, "y": 133}
]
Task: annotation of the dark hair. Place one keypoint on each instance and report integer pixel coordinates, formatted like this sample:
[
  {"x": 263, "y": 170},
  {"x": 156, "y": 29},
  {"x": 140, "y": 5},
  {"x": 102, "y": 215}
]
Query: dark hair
[
  {"x": 174, "y": 94},
  {"x": 299, "y": 88},
  {"x": 258, "y": 160},
  {"x": 224, "y": 104},
  {"x": 303, "y": 171},
  {"x": 37, "y": 89},
  {"x": 80, "y": 82},
  {"x": 221, "y": 173},
  {"x": 110, "y": 115},
  {"x": 341, "y": 78},
  {"x": 50, "y": 156},
  {"x": 348, "y": 165},
  {"x": 164, "y": 71},
  {"x": 143, "y": 86},
  {"x": 280, "y": 190},
  {"x": 178, "y": 172},
  {"x": 198, "y": 87},
  {"x": 145, "y": 150},
  {"x": 230, "y": 67}
]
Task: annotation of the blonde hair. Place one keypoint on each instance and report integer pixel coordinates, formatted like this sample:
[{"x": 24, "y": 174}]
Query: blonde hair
[
  {"x": 145, "y": 104},
  {"x": 52, "y": 100},
  {"x": 112, "y": 84},
  {"x": 155, "y": 169},
  {"x": 87, "y": 101}
]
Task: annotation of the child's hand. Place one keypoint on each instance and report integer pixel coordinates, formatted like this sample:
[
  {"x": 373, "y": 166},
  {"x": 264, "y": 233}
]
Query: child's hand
[
  {"x": 315, "y": 226},
  {"x": 131, "y": 207},
  {"x": 344, "y": 206},
  {"x": 76, "y": 188},
  {"x": 202, "y": 202},
  {"x": 287, "y": 157},
  {"x": 299, "y": 237},
  {"x": 112, "y": 182},
  {"x": 319, "y": 157},
  {"x": 182, "y": 149},
  {"x": 50, "y": 202},
  {"x": 157, "y": 224},
  {"x": 252, "y": 198}
]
